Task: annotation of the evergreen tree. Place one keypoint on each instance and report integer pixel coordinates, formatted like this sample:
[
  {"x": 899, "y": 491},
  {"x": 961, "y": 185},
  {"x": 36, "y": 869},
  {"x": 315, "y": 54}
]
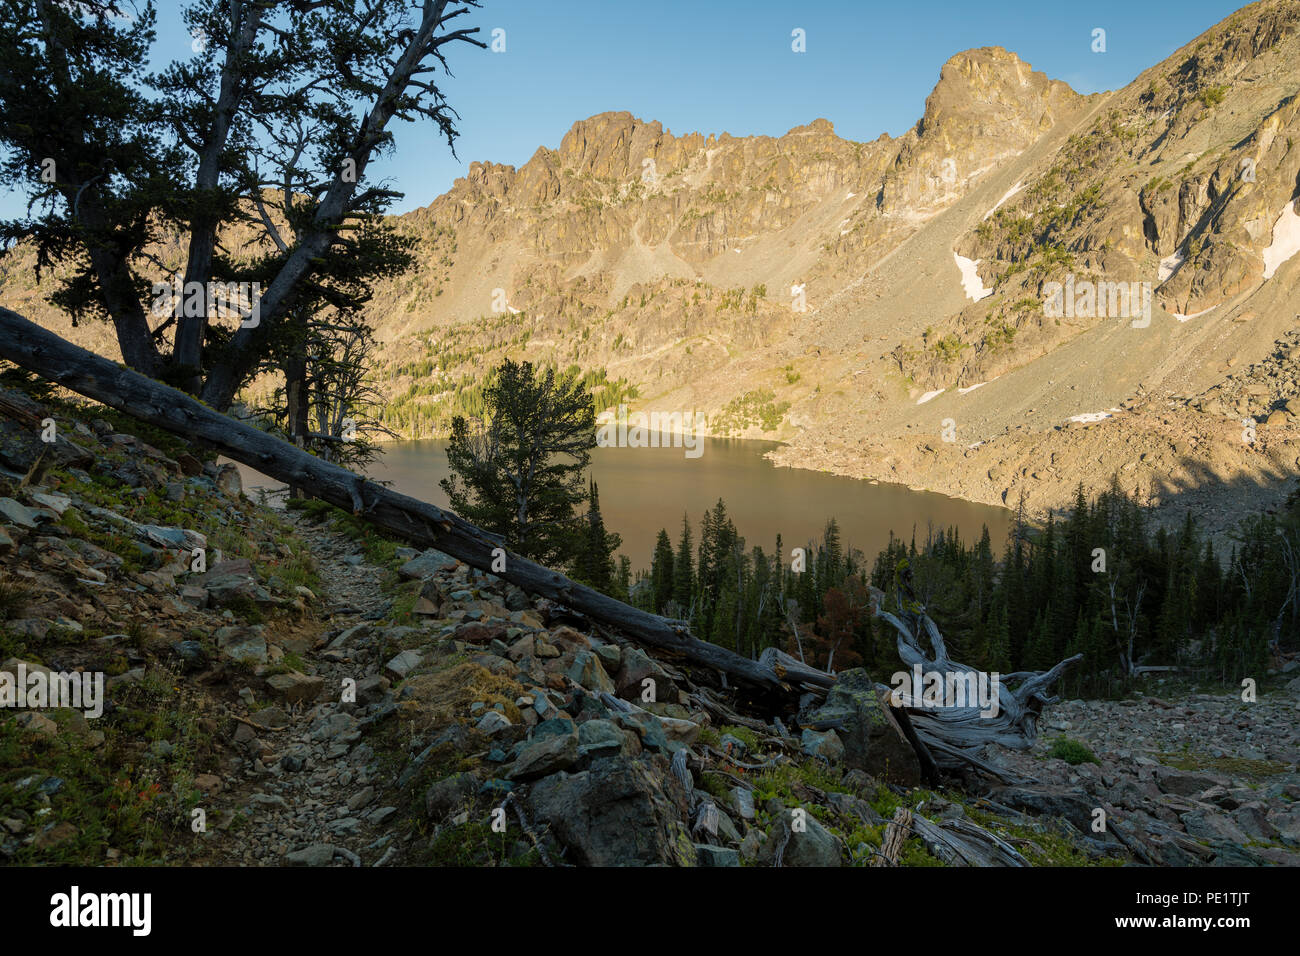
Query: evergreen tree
[
  {"x": 661, "y": 571},
  {"x": 520, "y": 475},
  {"x": 683, "y": 571},
  {"x": 595, "y": 565}
]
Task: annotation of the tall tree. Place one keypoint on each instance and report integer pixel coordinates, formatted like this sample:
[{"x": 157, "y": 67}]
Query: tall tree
[
  {"x": 521, "y": 473},
  {"x": 278, "y": 95},
  {"x": 683, "y": 572},
  {"x": 595, "y": 565},
  {"x": 661, "y": 571}
]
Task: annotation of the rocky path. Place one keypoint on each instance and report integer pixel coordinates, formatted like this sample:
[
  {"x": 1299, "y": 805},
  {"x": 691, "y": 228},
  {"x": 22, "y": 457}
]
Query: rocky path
[{"x": 306, "y": 791}]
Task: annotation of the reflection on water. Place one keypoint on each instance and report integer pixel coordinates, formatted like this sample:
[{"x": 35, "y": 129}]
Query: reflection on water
[{"x": 645, "y": 489}]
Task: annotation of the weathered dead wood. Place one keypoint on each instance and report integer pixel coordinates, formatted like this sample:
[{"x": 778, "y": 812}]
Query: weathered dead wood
[
  {"x": 896, "y": 834},
  {"x": 418, "y": 522},
  {"x": 524, "y": 825},
  {"x": 793, "y": 670},
  {"x": 956, "y": 731},
  {"x": 962, "y": 843}
]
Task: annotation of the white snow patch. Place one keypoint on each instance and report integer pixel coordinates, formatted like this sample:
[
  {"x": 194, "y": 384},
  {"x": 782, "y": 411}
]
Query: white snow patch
[
  {"x": 850, "y": 195},
  {"x": 970, "y": 278},
  {"x": 1194, "y": 315},
  {"x": 1088, "y": 417},
  {"x": 971, "y": 388},
  {"x": 929, "y": 395},
  {"x": 1010, "y": 192},
  {"x": 1286, "y": 239},
  {"x": 1169, "y": 266}
]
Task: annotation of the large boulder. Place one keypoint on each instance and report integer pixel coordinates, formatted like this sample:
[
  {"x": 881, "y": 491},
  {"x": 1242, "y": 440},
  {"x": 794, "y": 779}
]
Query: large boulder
[
  {"x": 806, "y": 842},
  {"x": 621, "y": 812},
  {"x": 872, "y": 739}
]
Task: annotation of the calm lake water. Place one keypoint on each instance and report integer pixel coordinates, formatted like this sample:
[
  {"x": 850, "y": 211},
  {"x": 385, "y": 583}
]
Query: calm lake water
[{"x": 645, "y": 489}]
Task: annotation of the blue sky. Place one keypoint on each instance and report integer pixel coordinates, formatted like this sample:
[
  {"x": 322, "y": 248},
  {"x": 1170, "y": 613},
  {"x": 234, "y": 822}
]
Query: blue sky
[{"x": 716, "y": 66}]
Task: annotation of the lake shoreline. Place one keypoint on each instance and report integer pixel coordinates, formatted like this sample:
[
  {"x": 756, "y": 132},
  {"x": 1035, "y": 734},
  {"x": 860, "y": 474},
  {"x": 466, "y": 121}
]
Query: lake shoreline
[{"x": 646, "y": 489}]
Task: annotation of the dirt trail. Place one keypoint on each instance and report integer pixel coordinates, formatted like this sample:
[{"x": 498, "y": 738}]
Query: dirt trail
[{"x": 305, "y": 792}]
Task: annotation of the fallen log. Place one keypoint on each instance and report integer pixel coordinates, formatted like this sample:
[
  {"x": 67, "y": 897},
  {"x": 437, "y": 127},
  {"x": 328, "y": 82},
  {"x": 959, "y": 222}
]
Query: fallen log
[
  {"x": 962, "y": 843},
  {"x": 40, "y": 351}
]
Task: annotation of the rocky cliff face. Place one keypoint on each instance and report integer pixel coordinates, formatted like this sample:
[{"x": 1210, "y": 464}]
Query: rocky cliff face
[
  {"x": 988, "y": 107},
  {"x": 674, "y": 261}
]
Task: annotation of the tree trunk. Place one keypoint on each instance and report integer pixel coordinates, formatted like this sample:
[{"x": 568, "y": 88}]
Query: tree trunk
[
  {"x": 41, "y": 351},
  {"x": 296, "y": 401}
]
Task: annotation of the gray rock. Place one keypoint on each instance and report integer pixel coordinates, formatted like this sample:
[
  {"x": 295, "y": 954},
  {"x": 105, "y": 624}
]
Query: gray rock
[
  {"x": 587, "y": 670},
  {"x": 813, "y": 845},
  {"x": 449, "y": 795},
  {"x": 1074, "y": 805},
  {"x": 541, "y": 758},
  {"x": 427, "y": 564},
  {"x": 402, "y": 664},
  {"x": 826, "y": 745},
  {"x": 318, "y": 854},
  {"x": 294, "y": 688},
  {"x": 599, "y": 738},
  {"x": 621, "y": 812},
  {"x": 493, "y": 723},
  {"x": 1205, "y": 825},
  {"x": 230, "y": 582},
  {"x": 273, "y": 718},
  {"x": 706, "y": 855},
  {"x": 378, "y": 816},
  {"x": 752, "y": 846},
  {"x": 17, "y": 513},
  {"x": 371, "y": 690},
  {"x": 1183, "y": 783},
  {"x": 242, "y": 644},
  {"x": 332, "y": 726},
  {"x": 743, "y": 801},
  {"x": 191, "y": 655},
  {"x": 872, "y": 741},
  {"x": 1253, "y": 820}
]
